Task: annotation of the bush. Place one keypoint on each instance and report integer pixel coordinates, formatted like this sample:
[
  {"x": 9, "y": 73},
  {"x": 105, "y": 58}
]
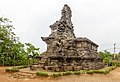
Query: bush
[
  {"x": 115, "y": 63},
  {"x": 44, "y": 74}
]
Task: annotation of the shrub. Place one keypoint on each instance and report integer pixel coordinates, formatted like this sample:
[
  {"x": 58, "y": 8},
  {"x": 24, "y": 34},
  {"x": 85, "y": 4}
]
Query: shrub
[
  {"x": 115, "y": 63},
  {"x": 44, "y": 74}
]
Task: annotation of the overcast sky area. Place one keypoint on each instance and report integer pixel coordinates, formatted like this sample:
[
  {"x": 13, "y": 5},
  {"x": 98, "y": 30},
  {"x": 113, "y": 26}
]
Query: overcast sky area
[{"x": 98, "y": 20}]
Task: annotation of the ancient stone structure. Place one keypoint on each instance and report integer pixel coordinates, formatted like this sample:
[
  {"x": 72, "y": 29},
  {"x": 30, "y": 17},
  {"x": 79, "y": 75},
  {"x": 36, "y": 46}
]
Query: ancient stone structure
[{"x": 65, "y": 52}]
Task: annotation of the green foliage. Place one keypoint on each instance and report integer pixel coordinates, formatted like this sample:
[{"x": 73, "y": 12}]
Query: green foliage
[
  {"x": 77, "y": 72},
  {"x": 56, "y": 74},
  {"x": 82, "y": 71},
  {"x": 90, "y": 72},
  {"x": 107, "y": 57},
  {"x": 20, "y": 67},
  {"x": 33, "y": 51},
  {"x": 12, "y": 51},
  {"x": 8, "y": 39},
  {"x": 67, "y": 73},
  {"x": 115, "y": 63},
  {"x": 15, "y": 69},
  {"x": 43, "y": 74},
  {"x": 112, "y": 68},
  {"x": 102, "y": 71}
]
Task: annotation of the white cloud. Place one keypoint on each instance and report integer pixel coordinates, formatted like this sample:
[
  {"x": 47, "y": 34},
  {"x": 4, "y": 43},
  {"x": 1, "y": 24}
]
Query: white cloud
[{"x": 94, "y": 19}]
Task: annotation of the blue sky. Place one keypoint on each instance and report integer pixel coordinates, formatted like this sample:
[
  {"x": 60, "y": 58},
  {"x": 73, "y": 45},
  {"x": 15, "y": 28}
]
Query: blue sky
[{"x": 98, "y": 20}]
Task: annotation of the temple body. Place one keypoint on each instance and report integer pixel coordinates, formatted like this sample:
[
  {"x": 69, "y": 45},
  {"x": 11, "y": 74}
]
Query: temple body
[{"x": 65, "y": 52}]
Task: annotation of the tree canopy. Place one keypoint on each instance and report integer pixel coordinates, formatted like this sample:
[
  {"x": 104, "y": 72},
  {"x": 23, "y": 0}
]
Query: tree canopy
[{"x": 12, "y": 51}]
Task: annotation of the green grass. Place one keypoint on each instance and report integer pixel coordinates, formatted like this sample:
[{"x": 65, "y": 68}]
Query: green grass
[
  {"x": 102, "y": 71},
  {"x": 12, "y": 70},
  {"x": 20, "y": 67},
  {"x": 43, "y": 74},
  {"x": 90, "y": 72},
  {"x": 15, "y": 69},
  {"x": 105, "y": 70},
  {"x": 56, "y": 74},
  {"x": 76, "y": 72}
]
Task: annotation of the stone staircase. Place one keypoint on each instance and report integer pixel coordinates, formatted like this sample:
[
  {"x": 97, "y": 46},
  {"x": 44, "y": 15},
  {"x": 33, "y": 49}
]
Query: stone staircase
[
  {"x": 39, "y": 65},
  {"x": 43, "y": 61}
]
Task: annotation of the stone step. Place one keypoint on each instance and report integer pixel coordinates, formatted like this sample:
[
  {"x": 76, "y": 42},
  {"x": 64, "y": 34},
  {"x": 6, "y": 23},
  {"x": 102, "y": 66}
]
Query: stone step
[{"x": 21, "y": 75}]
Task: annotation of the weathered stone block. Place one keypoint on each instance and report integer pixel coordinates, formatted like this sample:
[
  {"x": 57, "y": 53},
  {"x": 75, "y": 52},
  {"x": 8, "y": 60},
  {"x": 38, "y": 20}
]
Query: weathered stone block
[
  {"x": 77, "y": 68},
  {"x": 68, "y": 68}
]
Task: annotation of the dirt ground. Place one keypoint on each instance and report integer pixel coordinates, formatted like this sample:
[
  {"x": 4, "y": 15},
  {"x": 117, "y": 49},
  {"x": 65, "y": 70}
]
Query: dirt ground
[{"x": 113, "y": 76}]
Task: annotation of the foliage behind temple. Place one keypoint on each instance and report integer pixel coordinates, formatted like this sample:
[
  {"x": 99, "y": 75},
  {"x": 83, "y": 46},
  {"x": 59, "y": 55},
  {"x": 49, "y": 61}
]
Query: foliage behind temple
[{"x": 12, "y": 51}]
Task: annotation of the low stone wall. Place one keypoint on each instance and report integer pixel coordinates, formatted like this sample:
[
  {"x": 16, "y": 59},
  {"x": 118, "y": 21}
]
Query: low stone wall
[{"x": 93, "y": 66}]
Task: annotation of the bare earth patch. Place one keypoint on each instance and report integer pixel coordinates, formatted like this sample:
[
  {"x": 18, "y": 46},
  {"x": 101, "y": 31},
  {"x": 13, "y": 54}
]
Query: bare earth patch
[{"x": 113, "y": 76}]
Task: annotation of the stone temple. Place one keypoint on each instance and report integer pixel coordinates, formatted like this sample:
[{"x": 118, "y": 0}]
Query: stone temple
[{"x": 65, "y": 52}]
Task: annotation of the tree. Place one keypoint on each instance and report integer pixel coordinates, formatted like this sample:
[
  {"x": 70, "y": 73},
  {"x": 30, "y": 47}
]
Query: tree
[
  {"x": 33, "y": 51},
  {"x": 12, "y": 51},
  {"x": 8, "y": 38},
  {"x": 107, "y": 57}
]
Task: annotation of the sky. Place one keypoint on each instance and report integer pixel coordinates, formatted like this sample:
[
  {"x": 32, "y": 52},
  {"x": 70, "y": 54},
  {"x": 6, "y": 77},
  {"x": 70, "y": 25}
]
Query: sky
[{"x": 97, "y": 20}]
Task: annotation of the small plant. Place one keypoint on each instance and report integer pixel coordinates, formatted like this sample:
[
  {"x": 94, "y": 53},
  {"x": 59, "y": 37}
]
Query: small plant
[{"x": 44, "y": 74}]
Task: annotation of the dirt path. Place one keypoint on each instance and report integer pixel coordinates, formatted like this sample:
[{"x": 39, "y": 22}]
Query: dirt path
[{"x": 113, "y": 76}]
